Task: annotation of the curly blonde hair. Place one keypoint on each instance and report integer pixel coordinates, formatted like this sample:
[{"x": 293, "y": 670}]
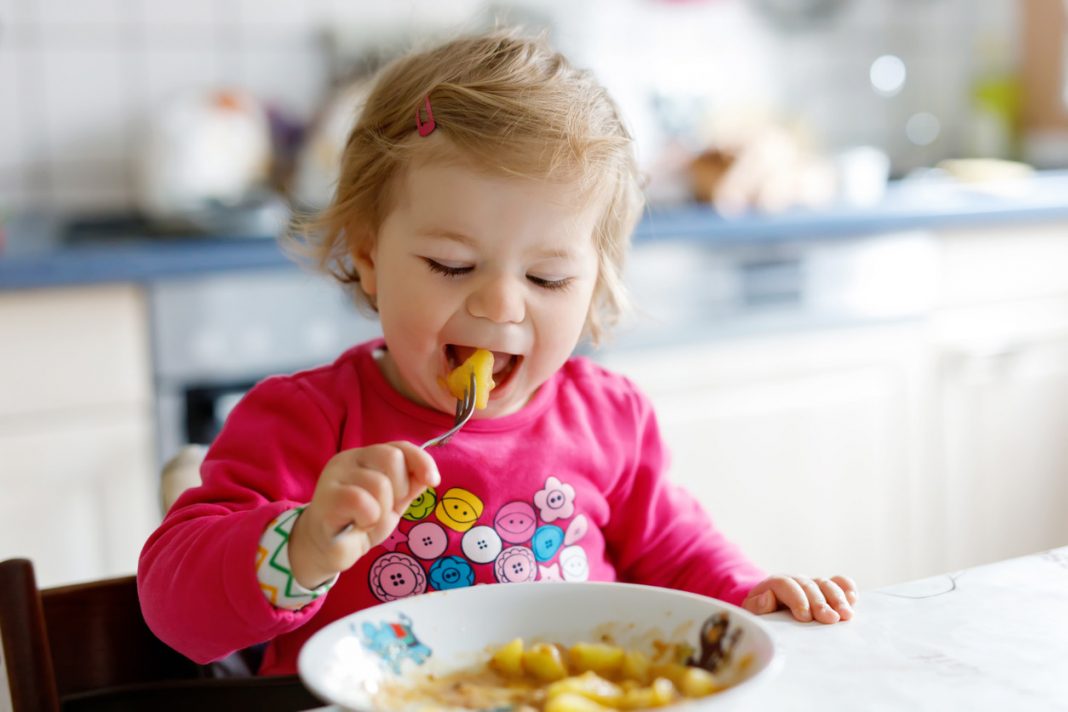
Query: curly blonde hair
[{"x": 508, "y": 105}]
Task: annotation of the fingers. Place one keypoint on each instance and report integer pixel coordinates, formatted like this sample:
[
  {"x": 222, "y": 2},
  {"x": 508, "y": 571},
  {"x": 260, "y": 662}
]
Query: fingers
[
  {"x": 848, "y": 586},
  {"x": 786, "y": 592},
  {"x": 391, "y": 474},
  {"x": 412, "y": 470},
  {"x": 383, "y": 463},
  {"x": 422, "y": 468},
  {"x": 794, "y": 596},
  {"x": 822, "y": 600},
  {"x": 817, "y": 602},
  {"x": 365, "y": 508},
  {"x": 761, "y": 603},
  {"x": 835, "y": 597}
]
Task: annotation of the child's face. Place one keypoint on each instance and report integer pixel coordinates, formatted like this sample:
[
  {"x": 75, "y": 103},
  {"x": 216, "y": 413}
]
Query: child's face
[{"x": 466, "y": 260}]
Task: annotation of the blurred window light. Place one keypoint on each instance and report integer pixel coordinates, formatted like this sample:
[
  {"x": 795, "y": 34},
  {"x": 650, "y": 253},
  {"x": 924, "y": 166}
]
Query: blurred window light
[
  {"x": 923, "y": 128},
  {"x": 887, "y": 75}
]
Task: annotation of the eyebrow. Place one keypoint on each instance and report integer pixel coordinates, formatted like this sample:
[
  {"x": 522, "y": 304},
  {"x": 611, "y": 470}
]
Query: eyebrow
[
  {"x": 449, "y": 235},
  {"x": 467, "y": 240}
]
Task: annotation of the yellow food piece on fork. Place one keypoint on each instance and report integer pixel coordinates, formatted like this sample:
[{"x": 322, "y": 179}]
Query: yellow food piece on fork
[{"x": 479, "y": 363}]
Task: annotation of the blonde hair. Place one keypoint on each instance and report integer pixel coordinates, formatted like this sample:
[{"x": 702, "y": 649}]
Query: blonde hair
[{"x": 508, "y": 105}]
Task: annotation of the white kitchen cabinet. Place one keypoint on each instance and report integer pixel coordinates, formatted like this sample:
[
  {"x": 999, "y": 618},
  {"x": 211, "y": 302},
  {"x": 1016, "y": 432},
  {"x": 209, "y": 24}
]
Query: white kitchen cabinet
[
  {"x": 62, "y": 350},
  {"x": 807, "y": 449},
  {"x": 1002, "y": 263},
  {"x": 76, "y": 446},
  {"x": 1003, "y": 407},
  {"x": 78, "y": 500},
  {"x": 1000, "y": 338}
]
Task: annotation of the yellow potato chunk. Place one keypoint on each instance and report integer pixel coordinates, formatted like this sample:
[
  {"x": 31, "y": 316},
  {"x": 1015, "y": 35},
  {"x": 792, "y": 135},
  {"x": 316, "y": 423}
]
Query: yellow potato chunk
[
  {"x": 572, "y": 702},
  {"x": 672, "y": 671},
  {"x": 659, "y": 694},
  {"x": 481, "y": 364},
  {"x": 601, "y": 658},
  {"x": 544, "y": 677},
  {"x": 636, "y": 666},
  {"x": 508, "y": 659},
  {"x": 698, "y": 682},
  {"x": 589, "y": 684},
  {"x": 544, "y": 662}
]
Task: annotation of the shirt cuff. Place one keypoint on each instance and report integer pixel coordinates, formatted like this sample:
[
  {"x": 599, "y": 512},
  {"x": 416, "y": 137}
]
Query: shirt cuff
[{"x": 273, "y": 570}]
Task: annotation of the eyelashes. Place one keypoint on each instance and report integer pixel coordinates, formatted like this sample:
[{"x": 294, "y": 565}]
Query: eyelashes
[
  {"x": 550, "y": 284},
  {"x": 447, "y": 271}
]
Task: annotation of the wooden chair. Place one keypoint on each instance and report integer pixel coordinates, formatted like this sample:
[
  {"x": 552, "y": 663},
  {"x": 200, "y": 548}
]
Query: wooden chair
[{"x": 86, "y": 647}]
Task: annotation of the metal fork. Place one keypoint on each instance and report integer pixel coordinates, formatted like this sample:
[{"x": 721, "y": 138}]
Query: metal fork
[{"x": 465, "y": 408}]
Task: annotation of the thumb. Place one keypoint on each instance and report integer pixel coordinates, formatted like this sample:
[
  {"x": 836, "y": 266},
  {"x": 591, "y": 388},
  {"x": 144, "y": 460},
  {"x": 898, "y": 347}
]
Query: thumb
[{"x": 761, "y": 603}]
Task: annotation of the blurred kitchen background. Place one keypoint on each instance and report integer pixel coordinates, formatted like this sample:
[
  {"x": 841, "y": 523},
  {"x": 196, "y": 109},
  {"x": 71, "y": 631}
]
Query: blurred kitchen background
[
  {"x": 922, "y": 80},
  {"x": 852, "y": 278}
]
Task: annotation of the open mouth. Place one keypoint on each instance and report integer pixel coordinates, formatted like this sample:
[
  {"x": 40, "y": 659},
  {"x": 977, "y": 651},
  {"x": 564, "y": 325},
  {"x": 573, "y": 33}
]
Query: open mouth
[{"x": 505, "y": 365}]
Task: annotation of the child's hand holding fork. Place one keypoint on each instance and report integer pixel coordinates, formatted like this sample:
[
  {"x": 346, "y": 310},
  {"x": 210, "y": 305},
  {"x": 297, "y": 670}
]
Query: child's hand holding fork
[{"x": 368, "y": 487}]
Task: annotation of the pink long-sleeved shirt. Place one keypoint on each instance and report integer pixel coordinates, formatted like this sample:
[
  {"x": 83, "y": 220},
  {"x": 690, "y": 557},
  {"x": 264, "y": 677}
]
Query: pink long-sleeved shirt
[{"x": 572, "y": 487}]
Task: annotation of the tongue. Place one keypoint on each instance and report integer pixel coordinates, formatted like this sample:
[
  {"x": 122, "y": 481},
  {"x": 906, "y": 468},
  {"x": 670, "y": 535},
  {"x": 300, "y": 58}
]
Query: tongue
[{"x": 500, "y": 361}]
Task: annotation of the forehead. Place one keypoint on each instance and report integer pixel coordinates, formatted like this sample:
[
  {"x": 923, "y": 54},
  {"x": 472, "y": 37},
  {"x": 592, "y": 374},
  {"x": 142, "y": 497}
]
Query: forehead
[{"x": 448, "y": 196}]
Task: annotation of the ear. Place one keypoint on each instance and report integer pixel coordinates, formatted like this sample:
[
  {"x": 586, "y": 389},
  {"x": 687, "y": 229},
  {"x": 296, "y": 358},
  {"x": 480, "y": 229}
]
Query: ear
[{"x": 364, "y": 257}]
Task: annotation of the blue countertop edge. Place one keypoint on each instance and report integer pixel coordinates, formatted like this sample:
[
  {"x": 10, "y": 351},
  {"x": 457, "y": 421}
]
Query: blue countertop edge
[{"x": 38, "y": 256}]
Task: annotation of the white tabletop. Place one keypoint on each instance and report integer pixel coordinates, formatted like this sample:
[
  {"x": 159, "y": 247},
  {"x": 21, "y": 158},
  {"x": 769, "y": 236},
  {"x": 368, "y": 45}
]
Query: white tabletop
[{"x": 993, "y": 637}]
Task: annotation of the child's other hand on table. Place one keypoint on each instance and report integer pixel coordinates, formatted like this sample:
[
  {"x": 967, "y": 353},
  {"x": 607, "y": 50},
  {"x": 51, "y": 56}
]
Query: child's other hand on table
[
  {"x": 369, "y": 487},
  {"x": 820, "y": 599}
]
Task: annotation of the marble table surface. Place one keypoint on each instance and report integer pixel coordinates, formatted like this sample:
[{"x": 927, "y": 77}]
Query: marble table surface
[{"x": 992, "y": 637}]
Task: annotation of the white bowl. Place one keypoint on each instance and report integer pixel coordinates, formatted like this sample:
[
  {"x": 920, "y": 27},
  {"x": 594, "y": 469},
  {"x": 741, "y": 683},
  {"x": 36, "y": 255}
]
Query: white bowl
[{"x": 347, "y": 661}]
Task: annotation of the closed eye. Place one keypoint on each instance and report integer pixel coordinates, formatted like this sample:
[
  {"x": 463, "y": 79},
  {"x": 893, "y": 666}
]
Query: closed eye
[
  {"x": 447, "y": 270},
  {"x": 551, "y": 284}
]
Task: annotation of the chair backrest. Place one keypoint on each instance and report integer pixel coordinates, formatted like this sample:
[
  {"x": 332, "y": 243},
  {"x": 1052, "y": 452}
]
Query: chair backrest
[
  {"x": 73, "y": 639},
  {"x": 87, "y": 648}
]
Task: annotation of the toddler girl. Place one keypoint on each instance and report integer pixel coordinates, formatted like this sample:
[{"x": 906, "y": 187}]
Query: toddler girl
[{"x": 486, "y": 198}]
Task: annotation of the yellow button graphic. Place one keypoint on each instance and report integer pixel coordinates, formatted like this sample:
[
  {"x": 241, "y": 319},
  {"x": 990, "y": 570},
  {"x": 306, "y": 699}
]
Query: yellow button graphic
[{"x": 459, "y": 509}]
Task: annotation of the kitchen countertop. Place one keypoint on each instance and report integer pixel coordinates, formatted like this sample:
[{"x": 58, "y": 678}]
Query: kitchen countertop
[
  {"x": 39, "y": 252},
  {"x": 992, "y": 637}
]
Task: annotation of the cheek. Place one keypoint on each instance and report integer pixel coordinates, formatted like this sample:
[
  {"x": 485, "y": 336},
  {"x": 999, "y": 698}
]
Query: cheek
[
  {"x": 574, "y": 310},
  {"x": 560, "y": 323},
  {"x": 409, "y": 299}
]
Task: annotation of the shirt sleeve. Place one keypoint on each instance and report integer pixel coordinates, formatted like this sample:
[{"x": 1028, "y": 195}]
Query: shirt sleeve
[
  {"x": 661, "y": 535},
  {"x": 274, "y": 572},
  {"x": 197, "y": 579}
]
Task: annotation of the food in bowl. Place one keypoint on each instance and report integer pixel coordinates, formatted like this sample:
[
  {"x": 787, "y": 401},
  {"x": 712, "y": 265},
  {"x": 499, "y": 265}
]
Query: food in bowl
[
  {"x": 359, "y": 661},
  {"x": 582, "y": 677}
]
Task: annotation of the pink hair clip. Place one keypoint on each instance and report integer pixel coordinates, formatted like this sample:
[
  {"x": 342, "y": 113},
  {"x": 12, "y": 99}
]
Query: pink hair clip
[{"x": 429, "y": 125}]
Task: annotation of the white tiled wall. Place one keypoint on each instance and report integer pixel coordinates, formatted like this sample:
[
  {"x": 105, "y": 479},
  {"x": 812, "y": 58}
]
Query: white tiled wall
[{"x": 79, "y": 77}]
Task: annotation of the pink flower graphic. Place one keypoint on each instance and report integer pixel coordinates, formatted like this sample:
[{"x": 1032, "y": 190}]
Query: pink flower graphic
[
  {"x": 555, "y": 501},
  {"x": 396, "y": 576}
]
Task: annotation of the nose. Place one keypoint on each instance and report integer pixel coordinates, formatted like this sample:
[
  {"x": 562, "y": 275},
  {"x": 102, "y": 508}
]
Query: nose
[{"x": 499, "y": 298}]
